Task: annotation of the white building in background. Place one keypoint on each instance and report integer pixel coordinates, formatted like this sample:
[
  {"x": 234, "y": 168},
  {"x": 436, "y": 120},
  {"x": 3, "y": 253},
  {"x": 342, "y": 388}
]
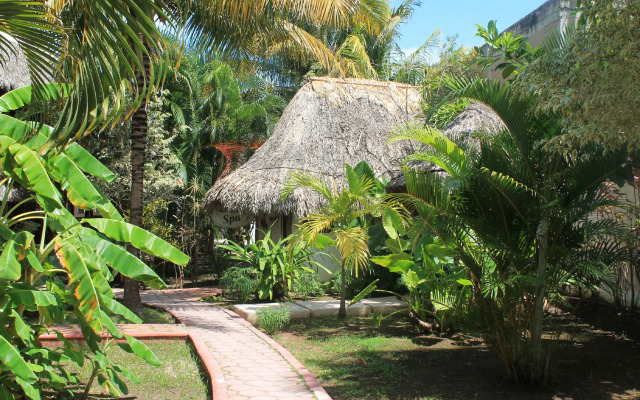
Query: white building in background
[{"x": 552, "y": 15}]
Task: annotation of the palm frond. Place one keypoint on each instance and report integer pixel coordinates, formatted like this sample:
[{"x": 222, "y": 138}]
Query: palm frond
[
  {"x": 353, "y": 246},
  {"x": 299, "y": 179}
]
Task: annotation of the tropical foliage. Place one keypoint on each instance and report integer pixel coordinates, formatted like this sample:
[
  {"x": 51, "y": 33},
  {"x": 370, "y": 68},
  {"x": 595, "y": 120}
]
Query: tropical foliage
[
  {"x": 517, "y": 216},
  {"x": 210, "y": 107},
  {"x": 438, "y": 287},
  {"x": 81, "y": 45},
  {"x": 36, "y": 267},
  {"x": 275, "y": 265},
  {"x": 343, "y": 222},
  {"x": 589, "y": 75},
  {"x": 94, "y": 49}
]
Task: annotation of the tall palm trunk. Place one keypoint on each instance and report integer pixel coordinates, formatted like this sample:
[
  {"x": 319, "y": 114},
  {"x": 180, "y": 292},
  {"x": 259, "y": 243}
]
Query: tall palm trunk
[
  {"x": 539, "y": 370},
  {"x": 139, "y": 127}
]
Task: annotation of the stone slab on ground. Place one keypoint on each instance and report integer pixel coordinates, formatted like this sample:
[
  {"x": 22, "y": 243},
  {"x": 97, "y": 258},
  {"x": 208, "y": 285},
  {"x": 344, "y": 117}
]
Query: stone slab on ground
[
  {"x": 328, "y": 308},
  {"x": 250, "y": 311},
  {"x": 385, "y": 305}
]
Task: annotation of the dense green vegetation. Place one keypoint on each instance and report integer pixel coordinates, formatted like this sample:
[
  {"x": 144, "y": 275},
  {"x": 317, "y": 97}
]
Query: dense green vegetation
[{"x": 136, "y": 124}]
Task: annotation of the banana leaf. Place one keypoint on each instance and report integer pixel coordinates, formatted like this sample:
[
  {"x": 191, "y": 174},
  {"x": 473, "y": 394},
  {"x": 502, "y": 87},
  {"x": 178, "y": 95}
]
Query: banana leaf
[{"x": 139, "y": 238}]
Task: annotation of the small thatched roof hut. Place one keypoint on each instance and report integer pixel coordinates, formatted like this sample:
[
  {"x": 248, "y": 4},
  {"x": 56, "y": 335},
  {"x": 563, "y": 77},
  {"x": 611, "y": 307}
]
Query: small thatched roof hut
[
  {"x": 14, "y": 71},
  {"x": 328, "y": 123},
  {"x": 476, "y": 118}
]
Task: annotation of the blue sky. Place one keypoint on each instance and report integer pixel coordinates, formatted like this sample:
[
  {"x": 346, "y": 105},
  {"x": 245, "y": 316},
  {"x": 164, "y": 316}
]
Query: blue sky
[{"x": 459, "y": 17}]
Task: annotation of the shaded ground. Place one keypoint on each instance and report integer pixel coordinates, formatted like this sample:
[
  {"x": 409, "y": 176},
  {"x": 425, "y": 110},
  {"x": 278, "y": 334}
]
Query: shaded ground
[{"x": 356, "y": 361}]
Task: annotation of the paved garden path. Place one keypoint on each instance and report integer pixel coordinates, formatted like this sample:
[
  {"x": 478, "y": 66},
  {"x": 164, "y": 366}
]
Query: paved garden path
[{"x": 253, "y": 366}]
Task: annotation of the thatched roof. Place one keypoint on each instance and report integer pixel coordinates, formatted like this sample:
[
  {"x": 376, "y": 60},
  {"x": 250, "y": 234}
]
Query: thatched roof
[
  {"x": 16, "y": 194},
  {"x": 328, "y": 123},
  {"x": 476, "y": 118},
  {"x": 14, "y": 72}
]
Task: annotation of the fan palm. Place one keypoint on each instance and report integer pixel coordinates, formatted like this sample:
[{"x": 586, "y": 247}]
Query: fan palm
[{"x": 518, "y": 216}]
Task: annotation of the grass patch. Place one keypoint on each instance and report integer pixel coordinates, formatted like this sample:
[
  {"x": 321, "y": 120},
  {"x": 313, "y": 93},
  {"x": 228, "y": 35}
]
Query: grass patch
[
  {"x": 273, "y": 319},
  {"x": 353, "y": 361},
  {"x": 179, "y": 376}
]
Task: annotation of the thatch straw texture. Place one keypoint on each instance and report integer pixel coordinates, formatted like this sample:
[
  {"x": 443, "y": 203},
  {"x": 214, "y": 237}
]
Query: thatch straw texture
[
  {"x": 476, "y": 118},
  {"x": 328, "y": 123},
  {"x": 16, "y": 194},
  {"x": 14, "y": 72}
]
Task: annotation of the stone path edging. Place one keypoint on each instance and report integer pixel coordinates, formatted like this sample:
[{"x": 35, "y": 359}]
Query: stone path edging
[
  {"x": 218, "y": 384},
  {"x": 245, "y": 363}
]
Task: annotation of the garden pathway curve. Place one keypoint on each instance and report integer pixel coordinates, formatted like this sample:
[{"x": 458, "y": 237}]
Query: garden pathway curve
[{"x": 253, "y": 365}]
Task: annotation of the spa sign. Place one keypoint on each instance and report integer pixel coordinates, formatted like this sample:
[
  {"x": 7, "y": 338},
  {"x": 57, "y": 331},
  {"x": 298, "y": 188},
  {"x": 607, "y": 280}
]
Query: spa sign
[{"x": 231, "y": 219}]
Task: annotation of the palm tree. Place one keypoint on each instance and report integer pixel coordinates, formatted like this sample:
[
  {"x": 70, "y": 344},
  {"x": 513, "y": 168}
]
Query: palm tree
[
  {"x": 209, "y": 106},
  {"x": 364, "y": 49},
  {"x": 343, "y": 221},
  {"x": 518, "y": 216},
  {"x": 81, "y": 44},
  {"x": 231, "y": 28}
]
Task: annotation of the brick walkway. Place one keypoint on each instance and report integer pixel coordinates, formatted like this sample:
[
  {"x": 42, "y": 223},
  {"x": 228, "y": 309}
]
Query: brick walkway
[
  {"x": 252, "y": 365},
  {"x": 243, "y": 362}
]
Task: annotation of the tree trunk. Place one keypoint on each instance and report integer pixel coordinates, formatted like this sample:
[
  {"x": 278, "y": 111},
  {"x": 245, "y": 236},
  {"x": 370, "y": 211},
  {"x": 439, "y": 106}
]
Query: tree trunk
[
  {"x": 139, "y": 127},
  {"x": 538, "y": 371},
  {"x": 342, "y": 313}
]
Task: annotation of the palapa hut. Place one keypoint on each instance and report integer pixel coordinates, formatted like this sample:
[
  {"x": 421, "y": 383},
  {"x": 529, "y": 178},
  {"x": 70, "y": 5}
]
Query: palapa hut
[
  {"x": 14, "y": 74},
  {"x": 328, "y": 123},
  {"x": 476, "y": 118}
]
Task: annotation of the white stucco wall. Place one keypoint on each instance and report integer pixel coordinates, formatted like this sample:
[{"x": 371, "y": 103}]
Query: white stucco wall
[{"x": 553, "y": 15}]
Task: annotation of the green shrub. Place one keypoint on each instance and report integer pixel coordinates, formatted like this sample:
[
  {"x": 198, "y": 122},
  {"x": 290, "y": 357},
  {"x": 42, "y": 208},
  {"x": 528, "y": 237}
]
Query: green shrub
[
  {"x": 273, "y": 319},
  {"x": 241, "y": 282},
  {"x": 276, "y": 266},
  {"x": 308, "y": 284}
]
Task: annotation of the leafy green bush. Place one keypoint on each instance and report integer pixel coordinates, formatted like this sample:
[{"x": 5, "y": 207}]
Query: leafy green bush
[
  {"x": 308, "y": 284},
  {"x": 241, "y": 282},
  {"x": 275, "y": 265},
  {"x": 273, "y": 319},
  {"x": 438, "y": 287}
]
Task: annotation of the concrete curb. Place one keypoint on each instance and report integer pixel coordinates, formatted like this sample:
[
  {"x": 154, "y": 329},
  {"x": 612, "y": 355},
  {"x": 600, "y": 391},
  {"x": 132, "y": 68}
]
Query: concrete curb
[{"x": 310, "y": 380}]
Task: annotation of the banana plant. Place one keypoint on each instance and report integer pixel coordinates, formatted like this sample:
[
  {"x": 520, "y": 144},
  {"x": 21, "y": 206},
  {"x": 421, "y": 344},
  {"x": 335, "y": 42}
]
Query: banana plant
[
  {"x": 438, "y": 287},
  {"x": 50, "y": 261}
]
